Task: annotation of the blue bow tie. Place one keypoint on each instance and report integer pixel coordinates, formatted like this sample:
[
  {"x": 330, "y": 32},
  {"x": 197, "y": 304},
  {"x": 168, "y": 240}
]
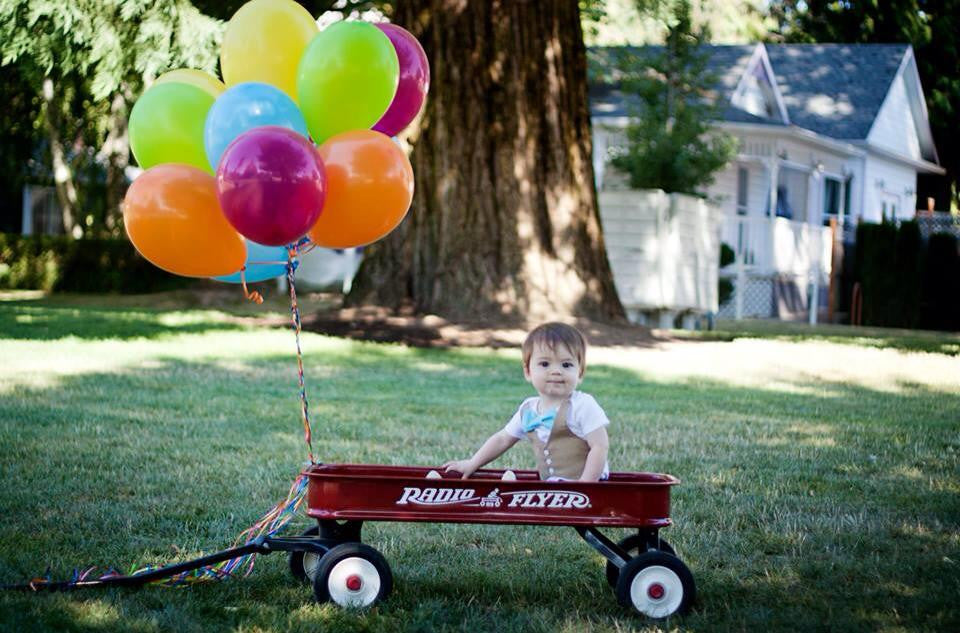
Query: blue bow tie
[{"x": 532, "y": 421}]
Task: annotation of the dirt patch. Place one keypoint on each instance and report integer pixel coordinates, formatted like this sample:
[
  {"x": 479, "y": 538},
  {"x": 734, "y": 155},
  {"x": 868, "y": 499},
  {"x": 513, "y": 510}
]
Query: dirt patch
[{"x": 379, "y": 324}]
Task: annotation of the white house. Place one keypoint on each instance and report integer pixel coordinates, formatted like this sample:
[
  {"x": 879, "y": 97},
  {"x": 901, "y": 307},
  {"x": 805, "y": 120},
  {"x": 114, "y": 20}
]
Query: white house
[{"x": 825, "y": 131}]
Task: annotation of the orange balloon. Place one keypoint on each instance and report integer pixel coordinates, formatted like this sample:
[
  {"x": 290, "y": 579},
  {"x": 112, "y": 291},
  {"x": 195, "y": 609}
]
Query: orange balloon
[
  {"x": 369, "y": 189},
  {"x": 173, "y": 218}
]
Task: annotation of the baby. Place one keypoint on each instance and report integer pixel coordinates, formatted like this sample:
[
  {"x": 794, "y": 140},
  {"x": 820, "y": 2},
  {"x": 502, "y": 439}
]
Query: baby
[{"x": 566, "y": 428}]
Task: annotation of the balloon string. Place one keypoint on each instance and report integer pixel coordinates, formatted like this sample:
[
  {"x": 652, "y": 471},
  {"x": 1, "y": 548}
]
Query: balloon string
[
  {"x": 254, "y": 296},
  {"x": 295, "y": 315}
]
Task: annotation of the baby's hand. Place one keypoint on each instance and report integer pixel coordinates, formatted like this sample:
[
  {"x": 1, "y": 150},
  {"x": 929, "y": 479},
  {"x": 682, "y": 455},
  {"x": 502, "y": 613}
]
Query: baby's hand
[{"x": 461, "y": 466}]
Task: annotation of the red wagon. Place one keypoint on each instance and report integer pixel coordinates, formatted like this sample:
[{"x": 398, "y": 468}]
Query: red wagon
[{"x": 643, "y": 569}]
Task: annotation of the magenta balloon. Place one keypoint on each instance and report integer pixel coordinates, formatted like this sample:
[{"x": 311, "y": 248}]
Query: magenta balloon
[
  {"x": 271, "y": 185},
  {"x": 414, "y": 81}
]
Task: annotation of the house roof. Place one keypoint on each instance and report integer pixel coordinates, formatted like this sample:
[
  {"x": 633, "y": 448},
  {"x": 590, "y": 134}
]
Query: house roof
[
  {"x": 608, "y": 98},
  {"x": 835, "y": 89},
  {"x": 832, "y": 89}
]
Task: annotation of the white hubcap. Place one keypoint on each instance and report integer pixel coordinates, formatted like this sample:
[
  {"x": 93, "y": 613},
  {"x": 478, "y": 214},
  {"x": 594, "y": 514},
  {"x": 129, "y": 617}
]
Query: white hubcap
[
  {"x": 656, "y": 591},
  {"x": 353, "y": 582}
]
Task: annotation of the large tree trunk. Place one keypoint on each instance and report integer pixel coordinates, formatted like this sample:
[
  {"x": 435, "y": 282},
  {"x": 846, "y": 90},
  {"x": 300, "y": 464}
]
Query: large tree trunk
[{"x": 504, "y": 218}]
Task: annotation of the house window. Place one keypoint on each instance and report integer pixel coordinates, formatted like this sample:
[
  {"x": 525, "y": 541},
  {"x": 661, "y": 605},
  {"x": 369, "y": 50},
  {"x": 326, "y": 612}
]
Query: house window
[
  {"x": 756, "y": 95},
  {"x": 743, "y": 181},
  {"x": 831, "y": 199},
  {"x": 792, "y": 194}
]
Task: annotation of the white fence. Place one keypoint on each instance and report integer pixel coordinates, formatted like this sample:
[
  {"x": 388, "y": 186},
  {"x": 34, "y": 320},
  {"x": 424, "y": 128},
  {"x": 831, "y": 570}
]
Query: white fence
[{"x": 664, "y": 251}]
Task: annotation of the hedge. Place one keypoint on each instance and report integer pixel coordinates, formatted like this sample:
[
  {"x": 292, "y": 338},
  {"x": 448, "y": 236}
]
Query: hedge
[
  {"x": 905, "y": 281},
  {"x": 58, "y": 263}
]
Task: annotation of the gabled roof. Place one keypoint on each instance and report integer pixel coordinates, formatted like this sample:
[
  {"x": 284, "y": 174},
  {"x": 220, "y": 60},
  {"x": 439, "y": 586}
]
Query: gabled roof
[
  {"x": 835, "y": 89},
  {"x": 608, "y": 98},
  {"x": 832, "y": 89}
]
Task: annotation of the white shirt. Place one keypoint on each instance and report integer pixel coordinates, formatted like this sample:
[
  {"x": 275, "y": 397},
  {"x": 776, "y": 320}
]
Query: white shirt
[{"x": 583, "y": 417}]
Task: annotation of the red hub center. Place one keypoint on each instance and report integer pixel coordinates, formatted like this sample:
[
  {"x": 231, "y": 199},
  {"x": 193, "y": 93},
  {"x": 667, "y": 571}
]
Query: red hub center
[
  {"x": 354, "y": 582},
  {"x": 655, "y": 591}
]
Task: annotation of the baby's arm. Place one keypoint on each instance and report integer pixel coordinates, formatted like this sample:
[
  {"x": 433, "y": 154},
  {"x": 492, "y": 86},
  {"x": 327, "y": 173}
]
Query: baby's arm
[
  {"x": 495, "y": 446},
  {"x": 599, "y": 443}
]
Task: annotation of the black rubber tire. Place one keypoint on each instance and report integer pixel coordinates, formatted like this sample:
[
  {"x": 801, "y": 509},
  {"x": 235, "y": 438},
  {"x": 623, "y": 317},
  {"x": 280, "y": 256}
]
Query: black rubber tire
[
  {"x": 296, "y": 559},
  {"x": 631, "y": 545},
  {"x": 668, "y": 567},
  {"x": 339, "y": 554}
]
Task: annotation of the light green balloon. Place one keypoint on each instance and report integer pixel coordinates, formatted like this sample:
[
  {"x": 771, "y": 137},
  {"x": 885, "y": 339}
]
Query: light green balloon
[
  {"x": 166, "y": 125},
  {"x": 347, "y": 79}
]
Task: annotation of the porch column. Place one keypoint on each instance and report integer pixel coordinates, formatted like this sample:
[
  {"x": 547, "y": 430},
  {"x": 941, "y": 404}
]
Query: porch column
[{"x": 773, "y": 169}]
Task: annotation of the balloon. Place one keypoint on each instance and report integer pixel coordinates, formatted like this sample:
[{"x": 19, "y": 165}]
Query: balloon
[
  {"x": 172, "y": 217},
  {"x": 166, "y": 125},
  {"x": 370, "y": 189},
  {"x": 347, "y": 78},
  {"x": 244, "y": 107},
  {"x": 263, "y": 262},
  {"x": 414, "y": 80},
  {"x": 207, "y": 83},
  {"x": 264, "y": 41},
  {"x": 271, "y": 185}
]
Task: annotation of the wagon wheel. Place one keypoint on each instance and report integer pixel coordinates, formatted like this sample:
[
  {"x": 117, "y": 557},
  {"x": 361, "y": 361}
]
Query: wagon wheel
[
  {"x": 303, "y": 565},
  {"x": 657, "y": 585},
  {"x": 632, "y": 545},
  {"x": 352, "y": 575}
]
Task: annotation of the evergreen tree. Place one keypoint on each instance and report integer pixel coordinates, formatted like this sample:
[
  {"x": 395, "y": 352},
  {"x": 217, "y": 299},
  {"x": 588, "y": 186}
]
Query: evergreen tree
[{"x": 671, "y": 145}]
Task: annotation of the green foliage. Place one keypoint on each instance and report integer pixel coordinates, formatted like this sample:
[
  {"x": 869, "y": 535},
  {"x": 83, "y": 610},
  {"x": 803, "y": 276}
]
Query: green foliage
[
  {"x": 58, "y": 263},
  {"x": 670, "y": 145},
  {"x": 941, "y": 284},
  {"x": 727, "y": 255},
  {"x": 725, "y": 286},
  {"x": 905, "y": 282},
  {"x": 89, "y": 60},
  {"x": 110, "y": 42}
]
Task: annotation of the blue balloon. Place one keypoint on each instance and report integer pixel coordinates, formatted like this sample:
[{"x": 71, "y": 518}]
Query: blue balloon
[
  {"x": 244, "y": 107},
  {"x": 263, "y": 262}
]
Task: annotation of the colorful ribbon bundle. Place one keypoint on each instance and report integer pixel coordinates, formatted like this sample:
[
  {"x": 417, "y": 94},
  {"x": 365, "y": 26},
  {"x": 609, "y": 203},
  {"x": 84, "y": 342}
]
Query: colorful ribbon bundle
[{"x": 268, "y": 525}]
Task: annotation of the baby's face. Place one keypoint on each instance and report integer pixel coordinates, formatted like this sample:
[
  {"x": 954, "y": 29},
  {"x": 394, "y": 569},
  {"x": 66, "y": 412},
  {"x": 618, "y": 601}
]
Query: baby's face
[{"x": 554, "y": 373}]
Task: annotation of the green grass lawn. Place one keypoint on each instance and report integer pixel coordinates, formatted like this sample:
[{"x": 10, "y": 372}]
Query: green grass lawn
[{"x": 139, "y": 431}]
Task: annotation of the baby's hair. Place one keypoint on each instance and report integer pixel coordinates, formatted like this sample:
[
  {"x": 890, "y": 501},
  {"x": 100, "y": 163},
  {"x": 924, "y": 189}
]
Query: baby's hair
[{"x": 552, "y": 334}]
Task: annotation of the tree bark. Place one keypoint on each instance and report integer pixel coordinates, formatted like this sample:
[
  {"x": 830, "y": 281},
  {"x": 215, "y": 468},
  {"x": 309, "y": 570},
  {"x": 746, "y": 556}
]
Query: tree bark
[
  {"x": 62, "y": 172},
  {"x": 115, "y": 152},
  {"x": 504, "y": 220}
]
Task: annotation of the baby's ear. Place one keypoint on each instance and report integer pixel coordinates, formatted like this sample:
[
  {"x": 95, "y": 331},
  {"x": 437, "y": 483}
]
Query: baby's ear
[{"x": 526, "y": 371}]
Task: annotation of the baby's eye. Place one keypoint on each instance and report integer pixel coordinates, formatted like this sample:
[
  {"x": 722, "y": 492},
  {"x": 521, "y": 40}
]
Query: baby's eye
[
  {"x": 544, "y": 363},
  {"x": 567, "y": 365}
]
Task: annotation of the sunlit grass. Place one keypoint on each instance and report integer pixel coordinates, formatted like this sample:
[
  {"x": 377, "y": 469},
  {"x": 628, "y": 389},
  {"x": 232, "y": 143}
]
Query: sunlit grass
[{"x": 820, "y": 480}]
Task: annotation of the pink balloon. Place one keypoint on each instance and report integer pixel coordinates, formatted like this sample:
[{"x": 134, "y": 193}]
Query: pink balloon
[
  {"x": 414, "y": 81},
  {"x": 271, "y": 185}
]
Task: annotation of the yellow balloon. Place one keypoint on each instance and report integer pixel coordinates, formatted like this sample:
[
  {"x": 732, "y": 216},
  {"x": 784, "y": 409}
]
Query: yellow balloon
[
  {"x": 264, "y": 41},
  {"x": 205, "y": 81}
]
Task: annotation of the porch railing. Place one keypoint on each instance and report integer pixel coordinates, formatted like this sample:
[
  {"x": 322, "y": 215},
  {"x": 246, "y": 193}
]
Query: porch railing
[
  {"x": 782, "y": 268},
  {"x": 778, "y": 246}
]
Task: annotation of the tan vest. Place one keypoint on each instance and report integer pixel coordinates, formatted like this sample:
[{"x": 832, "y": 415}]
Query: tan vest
[{"x": 564, "y": 454}]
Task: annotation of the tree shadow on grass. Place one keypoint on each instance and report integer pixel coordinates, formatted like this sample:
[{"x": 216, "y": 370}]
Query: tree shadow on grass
[
  {"x": 831, "y": 506},
  {"x": 44, "y": 323}
]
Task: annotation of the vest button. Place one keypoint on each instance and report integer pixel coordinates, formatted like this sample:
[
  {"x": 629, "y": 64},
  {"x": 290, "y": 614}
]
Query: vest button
[
  {"x": 549, "y": 461},
  {"x": 552, "y": 471},
  {"x": 546, "y": 451}
]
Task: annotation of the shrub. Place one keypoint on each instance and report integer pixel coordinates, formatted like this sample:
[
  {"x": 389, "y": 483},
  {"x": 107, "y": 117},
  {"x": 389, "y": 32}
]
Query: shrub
[{"x": 58, "y": 263}]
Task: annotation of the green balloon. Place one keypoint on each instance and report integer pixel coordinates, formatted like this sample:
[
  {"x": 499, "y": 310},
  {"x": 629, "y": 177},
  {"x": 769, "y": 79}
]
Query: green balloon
[
  {"x": 166, "y": 125},
  {"x": 347, "y": 79}
]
